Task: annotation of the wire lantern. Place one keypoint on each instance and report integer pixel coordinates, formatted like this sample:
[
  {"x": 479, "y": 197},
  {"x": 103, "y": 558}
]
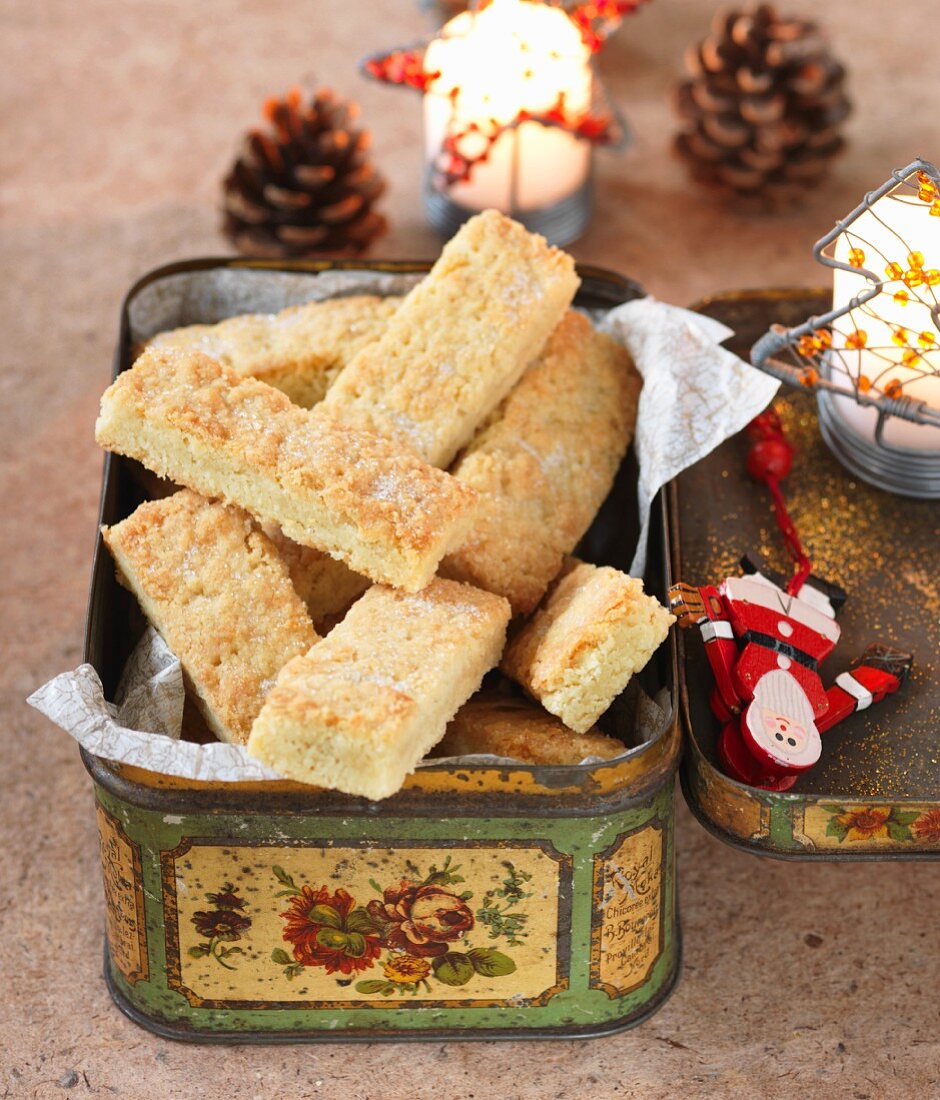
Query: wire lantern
[{"x": 874, "y": 359}]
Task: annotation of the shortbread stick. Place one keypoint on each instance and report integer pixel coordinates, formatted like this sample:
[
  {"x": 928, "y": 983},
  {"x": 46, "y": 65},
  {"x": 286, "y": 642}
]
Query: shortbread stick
[
  {"x": 361, "y": 709},
  {"x": 503, "y": 726},
  {"x": 360, "y": 498},
  {"x": 300, "y": 351},
  {"x": 595, "y": 629},
  {"x": 544, "y": 463},
  {"x": 459, "y": 341},
  {"x": 214, "y": 586},
  {"x": 327, "y": 586}
]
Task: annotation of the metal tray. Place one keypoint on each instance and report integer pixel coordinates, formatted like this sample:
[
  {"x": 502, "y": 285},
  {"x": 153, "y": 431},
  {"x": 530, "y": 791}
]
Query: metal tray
[
  {"x": 601, "y": 949},
  {"x": 875, "y": 794}
]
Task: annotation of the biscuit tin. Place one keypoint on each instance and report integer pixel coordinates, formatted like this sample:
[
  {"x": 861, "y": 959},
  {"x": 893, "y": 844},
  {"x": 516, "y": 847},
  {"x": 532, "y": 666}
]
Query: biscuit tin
[
  {"x": 478, "y": 902},
  {"x": 875, "y": 793}
]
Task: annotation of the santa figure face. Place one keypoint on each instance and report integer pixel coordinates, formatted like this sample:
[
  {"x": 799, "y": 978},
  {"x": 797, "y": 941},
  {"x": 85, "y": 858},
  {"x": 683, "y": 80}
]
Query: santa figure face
[
  {"x": 779, "y": 726},
  {"x": 789, "y": 735}
]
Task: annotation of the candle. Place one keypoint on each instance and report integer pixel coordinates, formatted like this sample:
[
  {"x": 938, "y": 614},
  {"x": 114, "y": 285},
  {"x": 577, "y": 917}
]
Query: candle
[
  {"x": 891, "y": 344},
  {"x": 493, "y": 67}
]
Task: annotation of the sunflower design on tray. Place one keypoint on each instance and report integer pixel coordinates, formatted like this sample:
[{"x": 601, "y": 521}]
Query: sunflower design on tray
[
  {"x": 418, "y": 930},
  {"x": 866, "y": 823}
]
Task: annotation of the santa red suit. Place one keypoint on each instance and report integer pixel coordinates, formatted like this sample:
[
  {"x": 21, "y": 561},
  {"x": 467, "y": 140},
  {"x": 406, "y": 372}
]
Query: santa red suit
[{"x": 764, "y": 647}]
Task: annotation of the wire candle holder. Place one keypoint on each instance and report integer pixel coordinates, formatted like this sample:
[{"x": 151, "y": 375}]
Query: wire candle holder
[{"x": 874, "y": 359}]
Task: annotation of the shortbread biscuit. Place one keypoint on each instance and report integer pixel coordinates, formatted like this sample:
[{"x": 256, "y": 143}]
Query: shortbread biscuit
[
  {"x": 361, "y": 709},
  {"x": 214, "y": 586},
  {"x": 459, "y": 341},
  {"x": 503, "y": 726},
  {"x": 360, "y": 498},
  {"x": 544, "y": 463},
  {"x": 327, "y": 586},
  {"x": 595, "y": 629},
  {"x": 300, "y": 351}
]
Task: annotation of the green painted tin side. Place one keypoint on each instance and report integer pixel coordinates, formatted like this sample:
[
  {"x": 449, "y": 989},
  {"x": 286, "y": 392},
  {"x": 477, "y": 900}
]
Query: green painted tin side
[{"x": 600, "y": 917}]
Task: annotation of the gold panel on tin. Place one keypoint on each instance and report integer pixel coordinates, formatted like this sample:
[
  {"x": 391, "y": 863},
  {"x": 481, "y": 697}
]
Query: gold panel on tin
[
  {"x": 357, "y": 925},
  {"x": 628, "y": 919},
  {"x": 728, "y": 805},
  {"x": 124, "y": 898}
]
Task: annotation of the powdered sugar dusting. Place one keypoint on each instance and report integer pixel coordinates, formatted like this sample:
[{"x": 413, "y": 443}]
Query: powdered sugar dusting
[
  {"x": 387, "y": 487},
  {"x": 429, "y": 606},
  {"x": 549, "y": 462},
  {"x": 522, "y": 290},
  {"x": 347, "y": 675},
  {"x": 420, "y": 435}
]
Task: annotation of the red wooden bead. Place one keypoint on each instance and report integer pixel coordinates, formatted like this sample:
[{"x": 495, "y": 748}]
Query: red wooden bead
[{"x": 770, "y": 458}]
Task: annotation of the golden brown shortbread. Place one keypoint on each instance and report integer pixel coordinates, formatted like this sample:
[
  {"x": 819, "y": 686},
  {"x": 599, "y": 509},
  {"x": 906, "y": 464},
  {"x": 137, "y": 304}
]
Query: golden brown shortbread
[
  {"x": 361, "y": 709},
  {"x": 460, "y": 339},
  {"x": 300, "y": 351},
  {"x": 595, "y": 629},
  {"x": 501, "y": 725},
  {"x": 360, "y": 498},
  {"x": 327, "y": 586},
  {"x": 214, "y": 586},
  {"x": 544, "y": 462}
]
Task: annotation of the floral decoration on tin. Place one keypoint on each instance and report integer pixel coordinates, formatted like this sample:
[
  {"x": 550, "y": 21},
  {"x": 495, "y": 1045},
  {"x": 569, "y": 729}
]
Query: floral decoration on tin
[
  {"x": 417, "y": 930},
  {"x": 865, "y": 823},
  {"x": 499, "y": 910},
  {"x": 222, "y": 924}
]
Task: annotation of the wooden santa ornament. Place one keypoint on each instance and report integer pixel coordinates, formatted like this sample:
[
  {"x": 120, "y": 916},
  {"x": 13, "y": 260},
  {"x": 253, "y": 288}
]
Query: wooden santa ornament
[{"x": 765, "y": 641}]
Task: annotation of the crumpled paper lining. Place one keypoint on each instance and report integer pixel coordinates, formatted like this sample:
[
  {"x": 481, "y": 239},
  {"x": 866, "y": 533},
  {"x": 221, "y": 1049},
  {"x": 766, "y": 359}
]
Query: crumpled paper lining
[
  {"x": 143, "y": 726},
  {"x": 695, "y": 394},
  {"x": 205, "y": 297}
]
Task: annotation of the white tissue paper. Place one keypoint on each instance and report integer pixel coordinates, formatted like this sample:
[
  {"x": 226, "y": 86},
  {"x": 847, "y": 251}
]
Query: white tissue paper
[
  {"x": 695, "y": 395},
  {"x": 144, "y": 727}
]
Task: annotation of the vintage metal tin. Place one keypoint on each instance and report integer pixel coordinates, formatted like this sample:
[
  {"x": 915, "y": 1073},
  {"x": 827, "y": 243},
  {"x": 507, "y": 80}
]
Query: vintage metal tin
[
  {"x": 875, "y": 794},
  {"x": 242, "y": 911}
]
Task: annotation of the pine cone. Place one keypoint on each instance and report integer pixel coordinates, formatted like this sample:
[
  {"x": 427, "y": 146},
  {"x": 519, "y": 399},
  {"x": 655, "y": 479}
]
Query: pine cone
[
  {"x": 763, "y": 107},
  {"x": 304, "y": 185}
]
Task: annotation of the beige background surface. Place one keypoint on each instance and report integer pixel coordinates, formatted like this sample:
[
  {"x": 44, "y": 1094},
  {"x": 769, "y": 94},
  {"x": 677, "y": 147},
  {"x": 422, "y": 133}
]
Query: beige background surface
[{"x": 119, "y": 117}]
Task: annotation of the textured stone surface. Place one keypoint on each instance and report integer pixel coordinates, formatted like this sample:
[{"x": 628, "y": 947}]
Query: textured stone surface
[{"x": 119, "y": 119}]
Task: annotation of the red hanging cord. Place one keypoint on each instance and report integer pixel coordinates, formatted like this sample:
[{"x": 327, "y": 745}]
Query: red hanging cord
[{"x": 769, "y": 460}]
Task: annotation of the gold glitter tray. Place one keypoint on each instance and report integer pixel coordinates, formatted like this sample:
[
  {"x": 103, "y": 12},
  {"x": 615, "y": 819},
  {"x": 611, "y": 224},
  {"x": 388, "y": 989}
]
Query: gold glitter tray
[{"x": 875, "y": 794}]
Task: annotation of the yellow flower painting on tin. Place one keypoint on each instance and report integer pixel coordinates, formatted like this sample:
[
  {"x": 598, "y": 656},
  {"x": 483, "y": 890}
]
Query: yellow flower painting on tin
[{"x": 867, "y": 823}]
